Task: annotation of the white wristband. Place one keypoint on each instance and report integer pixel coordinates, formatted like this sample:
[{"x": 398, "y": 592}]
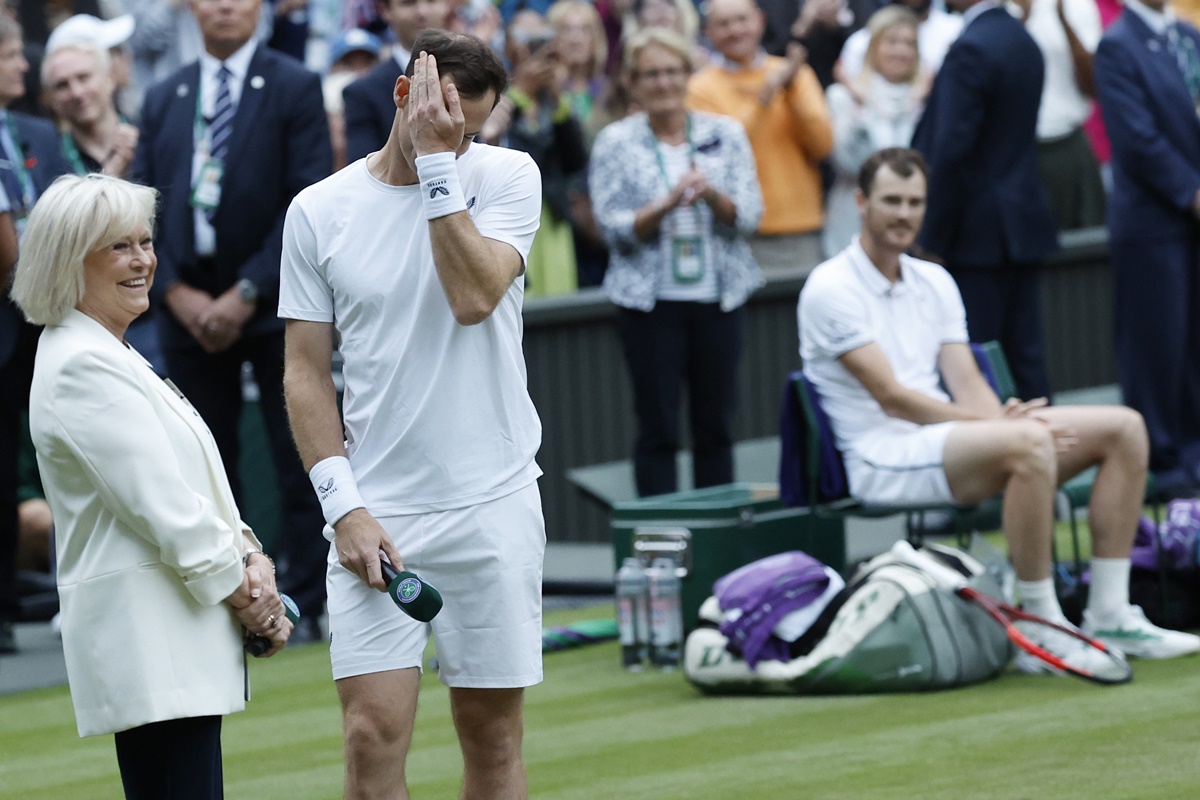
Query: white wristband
[
  {"x": 440, "y": 190},
  {"x": 336, "y": 489}
]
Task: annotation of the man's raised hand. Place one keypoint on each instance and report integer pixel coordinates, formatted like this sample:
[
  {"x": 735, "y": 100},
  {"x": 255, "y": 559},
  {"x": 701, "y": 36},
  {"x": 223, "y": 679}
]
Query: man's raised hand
[{"x": 435, "y": 117}]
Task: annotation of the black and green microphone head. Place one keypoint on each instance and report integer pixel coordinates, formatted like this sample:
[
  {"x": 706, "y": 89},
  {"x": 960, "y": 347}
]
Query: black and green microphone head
[{"x": 414, "y": 596}]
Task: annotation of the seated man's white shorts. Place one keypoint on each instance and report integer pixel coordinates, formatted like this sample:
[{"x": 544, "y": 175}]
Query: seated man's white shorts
[
  {"x": 486, "y": 560},
  {"x": 901, "y": 464}
]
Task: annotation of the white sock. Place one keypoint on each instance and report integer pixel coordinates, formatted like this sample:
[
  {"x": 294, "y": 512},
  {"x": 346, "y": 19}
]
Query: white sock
[
  {"x": 1038, "y": 597},
  {"x": 1109, "y": 593}
]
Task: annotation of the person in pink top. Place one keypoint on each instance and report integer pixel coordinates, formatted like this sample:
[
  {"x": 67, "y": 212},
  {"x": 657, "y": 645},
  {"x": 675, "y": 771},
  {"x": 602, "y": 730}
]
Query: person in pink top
[{"x": 1094, "y": 127}]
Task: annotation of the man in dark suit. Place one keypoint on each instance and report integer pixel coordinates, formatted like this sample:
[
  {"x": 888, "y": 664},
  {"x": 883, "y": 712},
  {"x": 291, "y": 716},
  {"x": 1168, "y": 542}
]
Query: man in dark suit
[
  {"x": 30, "y": 159},
  {"x": 369, "y": 108},
  {"x": 988, "y": 219},
  {"x": 229, "y": 140},
  {"x": 1148, "y": 85}
]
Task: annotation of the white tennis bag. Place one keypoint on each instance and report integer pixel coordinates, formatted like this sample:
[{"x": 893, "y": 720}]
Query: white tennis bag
[{"x": 894, "y": 628}]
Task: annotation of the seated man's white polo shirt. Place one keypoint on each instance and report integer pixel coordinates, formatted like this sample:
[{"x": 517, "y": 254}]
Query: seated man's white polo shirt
[{"x": 847, "y": 303}]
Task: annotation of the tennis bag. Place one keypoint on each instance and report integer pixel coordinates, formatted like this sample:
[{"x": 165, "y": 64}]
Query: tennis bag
[{"x": 893, "y": 628}]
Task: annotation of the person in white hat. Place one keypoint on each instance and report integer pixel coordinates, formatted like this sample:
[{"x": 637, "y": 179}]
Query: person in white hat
[{"x": 112, "y": 35}]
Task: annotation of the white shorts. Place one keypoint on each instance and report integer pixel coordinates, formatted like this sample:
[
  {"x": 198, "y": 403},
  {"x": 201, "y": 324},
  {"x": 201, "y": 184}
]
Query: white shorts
[
  {"x": 902, "y": 465},
  {"x": 486, "y": 560}
]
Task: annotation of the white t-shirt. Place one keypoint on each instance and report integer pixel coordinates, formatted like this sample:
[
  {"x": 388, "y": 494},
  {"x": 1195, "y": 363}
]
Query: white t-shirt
[
  {"x": 847, "y": 303},
  {"x": 437, "y": 414},
  {"x": 934, "y": 37},
  {"x": 1064, "y": 108}
]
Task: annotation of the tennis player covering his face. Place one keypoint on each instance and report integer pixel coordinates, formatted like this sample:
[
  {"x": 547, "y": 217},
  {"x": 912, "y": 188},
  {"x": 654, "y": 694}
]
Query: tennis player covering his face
[{"x": 411, "y": 261}]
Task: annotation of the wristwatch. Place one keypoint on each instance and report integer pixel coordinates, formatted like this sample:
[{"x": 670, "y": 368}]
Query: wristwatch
[{"x": 248, "y": 291}]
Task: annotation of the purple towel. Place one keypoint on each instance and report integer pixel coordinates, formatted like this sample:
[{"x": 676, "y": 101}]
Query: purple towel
[
  {"x": 766, "y": 591},
  {"x": 794, "y": 449},
  {"x": 1177, "y": 537}
]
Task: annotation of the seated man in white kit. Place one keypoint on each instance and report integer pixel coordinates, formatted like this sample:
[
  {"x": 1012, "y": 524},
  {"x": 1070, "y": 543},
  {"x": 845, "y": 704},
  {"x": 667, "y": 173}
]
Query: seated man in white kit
[{"x": 882, "y": 332}]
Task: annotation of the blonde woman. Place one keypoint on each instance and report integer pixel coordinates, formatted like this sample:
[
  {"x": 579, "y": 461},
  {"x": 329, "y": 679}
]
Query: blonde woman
[
  {"x": 877, "y": 108},
  {"x": 158, "y": 577},
  {"x": 676, "y": 194}
]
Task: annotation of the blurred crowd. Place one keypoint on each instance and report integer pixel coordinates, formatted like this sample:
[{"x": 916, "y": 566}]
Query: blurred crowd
[
  {"x": 818, "y": 84},
  {"x": 728, "y": 134}
]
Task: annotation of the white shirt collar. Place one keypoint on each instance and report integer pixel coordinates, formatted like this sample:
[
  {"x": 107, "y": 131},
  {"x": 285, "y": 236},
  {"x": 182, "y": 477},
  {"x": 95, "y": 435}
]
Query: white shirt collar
[
  {"x": 724, "y": 63},
  {"x": 974, "y": 12},
  {"x": 870, "y": 275},
  {"x": 402, "y": 55},
  {"x": 1157, "y": 21},
  {"x": 238, "y": 64}
]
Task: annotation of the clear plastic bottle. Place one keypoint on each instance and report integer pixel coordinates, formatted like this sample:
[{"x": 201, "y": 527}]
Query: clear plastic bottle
[
  {"x": 666, "y": 614},
  {"x": 631, "y": 593}
]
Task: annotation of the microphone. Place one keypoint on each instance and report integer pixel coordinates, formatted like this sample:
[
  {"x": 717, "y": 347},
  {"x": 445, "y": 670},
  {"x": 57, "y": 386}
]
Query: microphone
[
  {"x": 415, "y": 597},
  {"x": 256, "y": 645}
]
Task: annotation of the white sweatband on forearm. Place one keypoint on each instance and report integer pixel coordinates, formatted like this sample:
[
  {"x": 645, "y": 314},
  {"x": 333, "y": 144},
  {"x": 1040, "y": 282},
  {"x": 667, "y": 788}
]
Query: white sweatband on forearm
[
  {"x": 336, "y": 489},
  {"x": 441, "y": 192}
]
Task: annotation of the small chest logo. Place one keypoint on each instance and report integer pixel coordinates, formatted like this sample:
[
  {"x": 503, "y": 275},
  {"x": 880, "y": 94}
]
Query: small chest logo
[{"x": 408, "y": 590}]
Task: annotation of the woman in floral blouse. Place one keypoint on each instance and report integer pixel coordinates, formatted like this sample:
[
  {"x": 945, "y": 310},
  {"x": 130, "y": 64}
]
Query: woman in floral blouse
[{"x": 675, "y": 195}]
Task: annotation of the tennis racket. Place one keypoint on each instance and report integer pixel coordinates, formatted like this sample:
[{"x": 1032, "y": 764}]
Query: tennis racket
[{"x": 1063, "y": 648}]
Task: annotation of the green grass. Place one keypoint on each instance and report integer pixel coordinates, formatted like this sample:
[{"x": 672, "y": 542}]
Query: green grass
[{"x": 595, "y": 731}]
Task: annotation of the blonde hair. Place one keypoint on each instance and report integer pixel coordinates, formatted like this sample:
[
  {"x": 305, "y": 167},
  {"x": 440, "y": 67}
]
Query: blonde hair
[
  {"x": 77, "y": 215},
  {"x": 665, "y": 38},
  {"x": 882, "y": 21},
  {"x": 103, "y": 59},
  {"x": 689, "y": 20},
  {"x": 557, "y": 15}
]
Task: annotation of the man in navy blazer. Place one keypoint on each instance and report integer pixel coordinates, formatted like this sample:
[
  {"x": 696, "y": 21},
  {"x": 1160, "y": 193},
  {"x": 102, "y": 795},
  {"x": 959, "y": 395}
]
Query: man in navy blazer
[
  {"x": 988, "y": 219},
  {"x": 30, "y": 159},
  {"x": 1150, "y": 111},
  {"x": 369, "y": 107},
  {"x": 217, "y": 283}
]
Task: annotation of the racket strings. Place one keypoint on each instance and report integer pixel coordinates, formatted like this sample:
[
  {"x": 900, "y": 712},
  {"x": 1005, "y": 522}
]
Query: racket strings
[{"x": 1073, "y": 652}]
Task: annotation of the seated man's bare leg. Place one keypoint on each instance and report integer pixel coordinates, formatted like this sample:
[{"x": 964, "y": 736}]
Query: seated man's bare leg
[
  {"x": 1113, "y": 438},
  {"x": 490, "y": 725},
  {"x": 1016, "y": 457},
  {"x": 378, "y": 711}
]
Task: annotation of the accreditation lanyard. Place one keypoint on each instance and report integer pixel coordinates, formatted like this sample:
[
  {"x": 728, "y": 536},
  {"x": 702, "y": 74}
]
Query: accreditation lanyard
[
  {"x": 687, "y": 252},
  {"x": 24, "y": 179},
  {"x": 71, "y": 151},
  {"x": 206, "y": 188}
]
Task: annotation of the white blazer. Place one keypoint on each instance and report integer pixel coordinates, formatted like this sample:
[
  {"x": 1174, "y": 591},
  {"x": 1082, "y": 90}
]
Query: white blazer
[{"x": 148, "y": 537}]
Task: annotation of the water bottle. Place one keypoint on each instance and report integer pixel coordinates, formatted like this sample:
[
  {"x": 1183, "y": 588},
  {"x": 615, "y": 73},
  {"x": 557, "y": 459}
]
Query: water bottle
[
  {"x": 666, "y": 614},
  {"x": 632, "y": 620}
]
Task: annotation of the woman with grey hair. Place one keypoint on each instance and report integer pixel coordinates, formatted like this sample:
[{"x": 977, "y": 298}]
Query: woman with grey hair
[
  {"x": 676, "y": 194},
  {"x": 160, "y": 580}
]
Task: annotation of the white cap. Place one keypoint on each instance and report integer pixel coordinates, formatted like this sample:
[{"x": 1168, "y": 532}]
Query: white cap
[{"x": 86, "y": 29}]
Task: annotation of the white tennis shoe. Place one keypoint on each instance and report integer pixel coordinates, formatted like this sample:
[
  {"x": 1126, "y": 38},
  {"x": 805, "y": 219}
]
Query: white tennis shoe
[{"x": 1134, "y": 635}]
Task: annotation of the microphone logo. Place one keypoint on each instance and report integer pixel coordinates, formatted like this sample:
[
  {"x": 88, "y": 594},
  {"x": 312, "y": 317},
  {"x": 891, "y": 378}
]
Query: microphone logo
[{"x": 408, "y": 590}]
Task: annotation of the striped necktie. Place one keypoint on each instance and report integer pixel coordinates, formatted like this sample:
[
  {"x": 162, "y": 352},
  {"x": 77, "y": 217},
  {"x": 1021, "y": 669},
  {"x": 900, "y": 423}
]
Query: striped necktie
[{"x": 222, "y": 123}]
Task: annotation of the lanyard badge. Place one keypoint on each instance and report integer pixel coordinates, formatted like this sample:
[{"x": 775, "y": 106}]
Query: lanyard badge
[{"x": 687, "y": 252}]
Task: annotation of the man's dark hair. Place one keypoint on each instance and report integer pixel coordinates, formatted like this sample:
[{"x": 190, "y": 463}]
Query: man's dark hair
[
  {"x": 468, "y": 60},
  {"x": 904, "y": 161}
]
